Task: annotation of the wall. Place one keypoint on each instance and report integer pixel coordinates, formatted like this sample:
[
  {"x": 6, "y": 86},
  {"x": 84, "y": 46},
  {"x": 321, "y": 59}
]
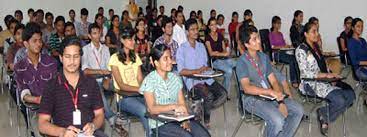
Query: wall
[
  {"x": 62, "y": 7},
  {"x": 329, "y": 12}
]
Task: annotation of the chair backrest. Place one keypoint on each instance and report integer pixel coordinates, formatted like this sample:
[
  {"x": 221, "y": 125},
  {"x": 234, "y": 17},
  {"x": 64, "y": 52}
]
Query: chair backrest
[
  {"x": 339, "y": 45},
  {"x": 265, "y": 42},
  {"x": 240, "y": 93}
]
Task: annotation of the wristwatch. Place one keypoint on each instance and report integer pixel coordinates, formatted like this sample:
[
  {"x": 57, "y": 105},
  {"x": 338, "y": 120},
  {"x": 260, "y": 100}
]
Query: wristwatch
[{"x": 280, "y": 101}]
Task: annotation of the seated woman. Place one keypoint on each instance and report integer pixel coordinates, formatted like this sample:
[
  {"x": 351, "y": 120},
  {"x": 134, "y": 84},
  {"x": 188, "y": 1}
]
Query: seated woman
[
  {"x": 277, "y": 42},
  {"x": 358, "y": 49},
  {"x": 143, "y": 44},
  {"x": 162, "y": 91},
  {"x": 312, "y": 65},
  {"x": 282, "y": 115},
  {"x": 127, "y": 77},
  {"x": 217, "y": 51},
  {"x": 113, "y": 35},
  {"x": 296, "y": 28},
  {"x": 343, "y": 38}
]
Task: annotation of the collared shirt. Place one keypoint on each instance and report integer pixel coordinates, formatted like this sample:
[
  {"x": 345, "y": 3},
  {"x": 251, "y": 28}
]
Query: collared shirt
[
  {"x": 358, "y": 52},
  {"x": 94, "y": 58},
  {"x": 128, "y": 72},
  {"x": 22, "y": 53},
  {"x": 57, "y": 100},
  {"x": 54, "y": 42},
  {"x": 35, "y": 78},
  {"x": 192, "y": 58},
  {"x": 179, "y": 34},
  {"x": 165, "y": 91},
  {"x": 82, "y": 28},
  {"x": 173, "y": 45}
]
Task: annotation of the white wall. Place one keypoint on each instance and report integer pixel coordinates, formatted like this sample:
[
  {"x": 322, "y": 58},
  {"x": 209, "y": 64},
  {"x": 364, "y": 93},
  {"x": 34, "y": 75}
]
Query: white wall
[
  {"x": 331, "y": 13},
  {"x": 62, "y": 7}
]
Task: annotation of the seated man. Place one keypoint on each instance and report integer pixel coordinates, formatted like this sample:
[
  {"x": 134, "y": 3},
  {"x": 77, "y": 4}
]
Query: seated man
[
  {"x": 211, "y": 91},
  {"x": 256, "y": 76},
  {"x": 56, "y": 38},
  {"x": 33, "y": 71},
  {"x": 72, "y": 101},
  {"x": 18, "y": 44}
]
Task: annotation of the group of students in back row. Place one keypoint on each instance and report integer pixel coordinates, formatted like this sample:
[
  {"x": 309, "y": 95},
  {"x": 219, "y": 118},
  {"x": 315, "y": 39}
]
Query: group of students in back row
[{"x": 66, "y": 68}]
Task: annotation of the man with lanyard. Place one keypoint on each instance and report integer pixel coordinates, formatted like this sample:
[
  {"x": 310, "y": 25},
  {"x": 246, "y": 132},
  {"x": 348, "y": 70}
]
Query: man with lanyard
[
  {"x": 263, "y": 96},
  {"x": 94, "y": 63},
  {"x": 34, "y": 71},
  {"x": 73, "y": 100}
]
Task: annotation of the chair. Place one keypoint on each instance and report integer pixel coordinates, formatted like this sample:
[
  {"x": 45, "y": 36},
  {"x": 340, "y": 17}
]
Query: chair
[
  {"x": 248, "y": 119},
  {"x": 357, "y": 87},
  {"x": 343, "y": 55}
]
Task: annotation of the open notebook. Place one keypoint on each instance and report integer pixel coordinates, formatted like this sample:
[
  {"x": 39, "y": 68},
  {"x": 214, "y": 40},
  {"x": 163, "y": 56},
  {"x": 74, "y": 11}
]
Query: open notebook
[{"x": 170, "y": 116}]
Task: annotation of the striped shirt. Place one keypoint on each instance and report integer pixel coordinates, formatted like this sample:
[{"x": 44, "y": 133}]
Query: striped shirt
[
  {"x": 54, "y": 42},
  {"x": 165, "y": 91}
]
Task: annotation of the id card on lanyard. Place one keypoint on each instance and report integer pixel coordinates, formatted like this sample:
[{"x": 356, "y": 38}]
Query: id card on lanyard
[
  {"x": 258, "y": 69},
  {"x": 77, "y": 116}
]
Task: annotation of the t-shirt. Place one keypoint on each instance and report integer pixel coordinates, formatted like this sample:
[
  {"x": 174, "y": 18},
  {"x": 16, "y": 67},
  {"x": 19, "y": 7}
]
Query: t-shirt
[
  {"x": 128, "y": 72},
  {"x": 276, "y": 39},
  {"x": 215, "y": 45},
  {"x": 358, "y": 52},
  {"x": 245, "y": 69}
]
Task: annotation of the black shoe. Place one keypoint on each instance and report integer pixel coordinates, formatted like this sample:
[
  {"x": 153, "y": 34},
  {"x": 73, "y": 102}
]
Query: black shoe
[{"x": 323, "y": 130}]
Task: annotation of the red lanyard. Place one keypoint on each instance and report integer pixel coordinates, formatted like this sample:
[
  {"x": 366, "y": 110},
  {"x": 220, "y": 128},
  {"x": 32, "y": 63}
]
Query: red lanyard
[
  {"x": 99, "y": 64},
  {"x": 74, "y": 98},
  {"x": 259, "y": 72}
]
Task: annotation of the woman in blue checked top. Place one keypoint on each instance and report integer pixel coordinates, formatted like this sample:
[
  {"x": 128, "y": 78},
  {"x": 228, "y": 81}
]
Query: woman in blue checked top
[{"x": 162, "y": 91}]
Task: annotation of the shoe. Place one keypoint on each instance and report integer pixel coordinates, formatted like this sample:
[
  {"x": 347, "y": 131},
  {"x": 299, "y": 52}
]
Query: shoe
[
  {"x": 120, "y": 130},
  {"x": 323, "y": 130}
]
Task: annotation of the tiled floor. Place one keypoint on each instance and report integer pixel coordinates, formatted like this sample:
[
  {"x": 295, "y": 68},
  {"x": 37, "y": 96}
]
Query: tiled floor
[{"x": 356, "y": 123}]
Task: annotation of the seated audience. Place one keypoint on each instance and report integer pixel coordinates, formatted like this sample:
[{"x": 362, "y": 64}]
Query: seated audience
[
  {"x": 296, "y": 28},
  {"x": 219, "y": 54},
  {"x": 212, "y": 92},
  {"x": 30, "y": 13},
  {"x": 168, "y": 97},
  {"x": 179, "y": 32},
  {"x": 57, "y": 37},
  {"x": 18, "y": 15},
  {"x": 72, "y": 16},
  {"x": 213, "y": 13},
  {"x": 358, "y": 49},
  {"x": 82, "y": 26},
  {"x": 49, "y": 29},
  {"x": 99, "y": 21},
  {"x": 315, "y": 21},
  {"x": 277, "y": 42},
  {"x": 6, "y": 36},
  {"x": 282, "y": 115},
  {"x": 241, "y": 47},
  {"x": 113, "y": 35},
  {"x": 34, "y": 71},
  {"x": 343, "y": 40},
  {"x": 40, "y": 14},
  {"x": 232, "y": 31},
  {"x": 127, "y": 77},
  {"x": 156, "y": 29},
  {"x": 72, "y": 100},
  {"x": 312, "y": 64},
  {"x": 247, "y": 19},
  {"x": 143, "y": 45},
  {"x": 18, "y": 44},
  {"x": 201, "y": 25},
  {"x": 125, "y": 21}
]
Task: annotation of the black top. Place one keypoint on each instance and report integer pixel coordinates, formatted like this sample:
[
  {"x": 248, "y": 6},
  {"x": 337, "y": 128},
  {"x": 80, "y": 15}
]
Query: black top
[{"x": 296, "y": 34}]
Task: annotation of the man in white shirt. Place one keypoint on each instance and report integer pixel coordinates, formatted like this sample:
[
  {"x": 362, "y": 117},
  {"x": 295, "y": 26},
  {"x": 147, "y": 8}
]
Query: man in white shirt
[{"x": 179, "y": 33}]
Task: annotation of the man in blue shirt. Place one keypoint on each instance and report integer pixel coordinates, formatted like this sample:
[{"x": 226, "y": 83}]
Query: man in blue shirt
[{"x": 192, "y": 59}]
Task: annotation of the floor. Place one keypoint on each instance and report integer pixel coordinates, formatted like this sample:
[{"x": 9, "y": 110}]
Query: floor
[{"x": 356, "y": 122}]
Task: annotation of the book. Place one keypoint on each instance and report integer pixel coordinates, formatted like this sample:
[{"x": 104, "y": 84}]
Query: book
[{"x": 174, "y": 117}]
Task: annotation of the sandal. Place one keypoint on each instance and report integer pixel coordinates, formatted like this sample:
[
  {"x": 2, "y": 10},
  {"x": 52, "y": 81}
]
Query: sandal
[
  {"x": 120, "y": 130},
  {"x": 324, "y": 127}
]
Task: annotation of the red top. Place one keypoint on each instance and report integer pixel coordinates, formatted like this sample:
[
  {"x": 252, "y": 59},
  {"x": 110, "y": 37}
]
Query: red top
[{"x": 232, "y": 28}]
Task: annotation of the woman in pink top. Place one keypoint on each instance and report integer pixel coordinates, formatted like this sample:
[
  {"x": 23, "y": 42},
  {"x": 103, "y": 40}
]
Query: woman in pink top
[{"x": 277, "y": 42}]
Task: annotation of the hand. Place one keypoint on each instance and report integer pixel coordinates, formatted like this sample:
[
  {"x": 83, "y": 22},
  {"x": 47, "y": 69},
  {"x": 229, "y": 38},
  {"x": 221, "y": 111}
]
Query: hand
[
  {"x": 89, "y": 129},
  {"x": 283, "y": 109},
  {"x": 106, "y": 72},
  {"x": 70, "y": 131},
  {"x": 277, "y": 95},
  {"x": 38, "y": 100},
  {"x": 186, "y": 125},
  {"x": 180, "y": 110}
]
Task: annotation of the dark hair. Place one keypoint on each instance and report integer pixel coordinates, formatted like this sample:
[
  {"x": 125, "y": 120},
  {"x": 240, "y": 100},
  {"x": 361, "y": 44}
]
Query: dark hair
[
  {"x": 313, "y": 19},
  {"x": 17, "y": 27},
  {"x": 31, "y": 29},
  {"x": 124, "y": 12},
  {"x": 68, "y": 41},
  {"x": 213, "y": 10},
  {"x": 306, "y": 29},
  {"x": 246, "y": 33},
  {"x": 30, "y": 10},
  {"x": 40, "y": 11},
  {"x": 93, "y": 26},
  {"x": 180, "y": 7},
  {"x": 210, "y": 20},
  {"x": 296, "y": 14},
  {"x": 220, "y": 16},
  {"x": 347, "y": 18},
  {"x": 18, "y": 12},
  {"x": 189, "y": 23},
  {"x": 137, "y": 23},
  {"x": 67, "y": 24},
  {"x": 161, "y": 6},
  {"x": 244, "y": 26},
  {"x": 96, "y": 17},
  {"x": 192, "y": 13},
  {"x": 199, "y": 12},
  {"x": 178, "y": 12},
  {"x": 113, "y": 18},
  {"x": 59, "y": 18},
  {"x": 126, "y": 33},
  {"x": 247, "y": 12},
  {"x": 100, "y": 8},
  {"x": 110, "y": 10},
  {"x": 274, "y": 20},
  {"x": 84, "y": 11},
  {"x": 7, "y": 20},
  {"x": 173, "y": 10},
  {"x": 165, "y": 21},
  {"x": 12, "y": 21},
  {"x": 157, "y": 52},
  {"x": 234, "y": 13},
  {"x": 71, "y": 10},
  {"x": 355, "y": 21},
  {"x": 49, "y": 14}
]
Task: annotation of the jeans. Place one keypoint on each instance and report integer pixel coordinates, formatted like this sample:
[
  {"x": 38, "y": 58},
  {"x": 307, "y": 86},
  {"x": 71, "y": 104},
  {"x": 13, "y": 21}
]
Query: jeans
[
  {"x": 339, "y": 101},
  {"x": 174, "y": 129},
  {"x": 136, "y": 106},
  {"x": 360, "y": 74},
  {"x": 214, "y": 96},
  {"x": 283, "y": 57},
  {"x": 276, "y": 124},
  {"x": 108, "y": 113},
  {"x": 227, "y": 66}
]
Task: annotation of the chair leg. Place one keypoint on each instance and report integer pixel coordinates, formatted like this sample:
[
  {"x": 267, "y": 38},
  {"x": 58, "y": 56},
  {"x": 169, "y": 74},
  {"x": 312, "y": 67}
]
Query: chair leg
[
  {"x": 344, "y": 126},
  {"x": 238, "y": 126},
  {"x": 225, "y": 120}
]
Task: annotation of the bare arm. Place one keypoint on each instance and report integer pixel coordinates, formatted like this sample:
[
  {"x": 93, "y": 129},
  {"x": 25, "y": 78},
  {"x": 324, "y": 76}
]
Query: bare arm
[
  {"x": 98, "y": 118},
  {"x": 343, "y": 46},
  {"x": 215, "y": 53},
  {"x": 47, "y": 128},
  {"x": 252, "y": 89}
]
